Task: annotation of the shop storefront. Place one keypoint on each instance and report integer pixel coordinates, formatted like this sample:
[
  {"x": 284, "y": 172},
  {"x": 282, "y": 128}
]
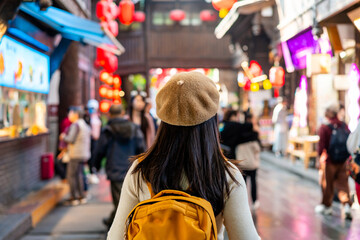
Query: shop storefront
[
  {"x": 24, "y": 78},
  {"x": 320, "y": 57},
  {"x": 37, "y": 45},
  {"x": 24, "y": 85}
]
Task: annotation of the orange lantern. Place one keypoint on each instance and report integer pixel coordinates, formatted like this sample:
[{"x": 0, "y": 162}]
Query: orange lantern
[
  {"x": 116, "y": 93},
  {"x": 110, "y": 80},
  {"x": 223, "y": 4},
  {"x": 127, "y": 10},
  {"x": 117, "y": 81},
  {"x": 103, "y": 91},
  {"x": 104, "y": 75},
  {"x": 104, "y": 106},
  {"x": 109, "y": 93},
  {"x": 277, "y": 76}
]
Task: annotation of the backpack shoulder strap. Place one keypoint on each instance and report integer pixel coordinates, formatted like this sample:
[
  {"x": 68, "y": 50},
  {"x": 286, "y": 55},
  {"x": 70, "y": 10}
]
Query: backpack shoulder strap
[
  {"x": 150, "y": 189},
  {"x": 331, "y": 126}
]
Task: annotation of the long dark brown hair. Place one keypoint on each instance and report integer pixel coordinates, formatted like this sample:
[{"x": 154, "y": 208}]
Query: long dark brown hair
[
  {"x": 144, "y": 122},
  {"x": 192, "y": 152}
]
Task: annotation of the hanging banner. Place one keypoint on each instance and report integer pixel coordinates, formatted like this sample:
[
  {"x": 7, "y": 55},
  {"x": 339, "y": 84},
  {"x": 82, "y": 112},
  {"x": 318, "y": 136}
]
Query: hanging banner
[{"x": 22, "y": 67}]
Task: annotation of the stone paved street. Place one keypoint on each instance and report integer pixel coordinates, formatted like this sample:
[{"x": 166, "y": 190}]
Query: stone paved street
[{"x": 286, "y": 211}]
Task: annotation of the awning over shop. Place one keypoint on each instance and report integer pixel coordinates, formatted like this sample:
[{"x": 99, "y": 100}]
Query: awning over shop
[
  {"x": 73, "y": 27},
  {"x": 30, "y": 40},
  {"x": 244, "y": 7}
]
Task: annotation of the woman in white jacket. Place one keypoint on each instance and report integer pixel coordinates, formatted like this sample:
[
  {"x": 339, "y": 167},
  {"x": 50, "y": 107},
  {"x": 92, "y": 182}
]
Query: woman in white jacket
[
  {"x": 353, "y": 146},
  {"x": 186, "y": 156}
]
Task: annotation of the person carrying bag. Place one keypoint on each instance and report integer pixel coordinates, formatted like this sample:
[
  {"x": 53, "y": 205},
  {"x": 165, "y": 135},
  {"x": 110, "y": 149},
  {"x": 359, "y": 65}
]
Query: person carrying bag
[{"x": 353, "y": 147}]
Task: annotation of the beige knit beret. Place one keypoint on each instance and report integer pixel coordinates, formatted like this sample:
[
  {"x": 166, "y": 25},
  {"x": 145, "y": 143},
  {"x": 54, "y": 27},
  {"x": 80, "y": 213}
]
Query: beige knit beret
[{"x": 187, "y": 99}]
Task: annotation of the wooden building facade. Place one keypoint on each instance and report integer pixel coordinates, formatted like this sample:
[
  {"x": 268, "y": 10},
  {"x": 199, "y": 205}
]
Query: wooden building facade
[{"x": 162, "y": 43}]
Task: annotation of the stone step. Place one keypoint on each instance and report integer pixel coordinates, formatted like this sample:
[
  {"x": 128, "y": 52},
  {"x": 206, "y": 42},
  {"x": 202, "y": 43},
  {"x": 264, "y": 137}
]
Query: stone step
[{"x": 26, "y": 214}]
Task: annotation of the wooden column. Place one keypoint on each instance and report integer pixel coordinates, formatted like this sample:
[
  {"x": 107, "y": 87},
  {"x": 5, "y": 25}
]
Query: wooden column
[
  {"x": 70, "y": 84},
  {"x": 312, "y": 100},
  {"x": 357, "y": 51}
]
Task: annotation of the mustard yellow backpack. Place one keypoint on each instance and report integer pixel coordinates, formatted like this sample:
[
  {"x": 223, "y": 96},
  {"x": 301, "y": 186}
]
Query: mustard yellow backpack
[{"x": 171, "y": 215}]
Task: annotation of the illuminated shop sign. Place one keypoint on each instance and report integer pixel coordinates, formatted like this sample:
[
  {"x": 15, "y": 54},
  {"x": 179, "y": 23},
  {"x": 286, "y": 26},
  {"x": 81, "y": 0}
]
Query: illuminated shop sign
[
  {"x": 296, "y": 49},
  {"x": 22, "y": 67}
]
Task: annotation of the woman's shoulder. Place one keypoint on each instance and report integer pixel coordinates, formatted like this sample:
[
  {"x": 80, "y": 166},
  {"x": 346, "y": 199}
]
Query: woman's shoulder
[
  {"x": 131, "y": 179},
  {"x": 235, "y": 172},
  {"x": 136, "y": 183}
]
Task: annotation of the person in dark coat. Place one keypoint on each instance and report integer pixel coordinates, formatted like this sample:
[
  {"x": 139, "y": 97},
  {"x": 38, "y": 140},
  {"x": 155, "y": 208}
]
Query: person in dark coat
[
  {"x": 119, "y": 140},
  {"x": 233, "y": 133},
  {"x": 243, "y": 146}
]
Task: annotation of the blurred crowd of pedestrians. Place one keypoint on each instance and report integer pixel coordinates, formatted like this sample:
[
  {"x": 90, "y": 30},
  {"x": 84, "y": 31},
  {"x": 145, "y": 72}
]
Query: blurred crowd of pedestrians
[{"x": 86, "y": 144}]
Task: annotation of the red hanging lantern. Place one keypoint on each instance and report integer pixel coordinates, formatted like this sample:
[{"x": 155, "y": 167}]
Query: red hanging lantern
[
  {"x": 127, "y": 10},
  {"x": 103, "y": 10},
  {"x": 139, "y": 16},
  {"x": 223, "y": 4},
  {"x": 100, "y": 56},
  {"x": 276, "y": 92},
  {"x": 104, "y": 24},
  {"x": 97, "y": 64},
  {"x": 208, "y": 15},
  {"x": 104, "y": 75},
  {"x": 177, "y": 15},
  {"x": 103, "y": 91},
  {"x": 277, "y": 76},
  {"x": 104, "y": 106},
  {"x": 111, "y": 63},
  {"x": 117, "y": 81},
  {"x": 114, "y": 10},
  {"x": 113, "y": 27}
]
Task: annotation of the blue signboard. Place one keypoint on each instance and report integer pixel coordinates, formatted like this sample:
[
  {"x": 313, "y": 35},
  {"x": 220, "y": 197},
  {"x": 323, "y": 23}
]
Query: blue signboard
[{"x": 22, "y": 67}]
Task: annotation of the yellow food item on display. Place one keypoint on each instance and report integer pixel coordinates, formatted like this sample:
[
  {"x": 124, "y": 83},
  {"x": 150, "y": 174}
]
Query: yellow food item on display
[
  {"x": 35, "y": 130},
  {"x": 13, "y": 131},
  {"x": 2, "y": 63},
  {"x": 5, "y": 132}
]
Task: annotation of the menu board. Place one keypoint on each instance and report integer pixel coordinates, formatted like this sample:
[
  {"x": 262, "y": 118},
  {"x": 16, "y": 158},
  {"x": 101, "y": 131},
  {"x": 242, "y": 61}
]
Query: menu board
[{"x": 22, "y": 67}]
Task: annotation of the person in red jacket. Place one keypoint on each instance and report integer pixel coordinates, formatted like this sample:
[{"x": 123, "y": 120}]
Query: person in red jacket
[{"x": 333, "y": 172}]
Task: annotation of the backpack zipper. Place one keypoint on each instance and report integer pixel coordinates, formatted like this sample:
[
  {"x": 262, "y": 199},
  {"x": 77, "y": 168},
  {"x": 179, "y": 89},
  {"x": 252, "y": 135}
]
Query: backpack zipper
[{"x": 127, "y": 224}]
